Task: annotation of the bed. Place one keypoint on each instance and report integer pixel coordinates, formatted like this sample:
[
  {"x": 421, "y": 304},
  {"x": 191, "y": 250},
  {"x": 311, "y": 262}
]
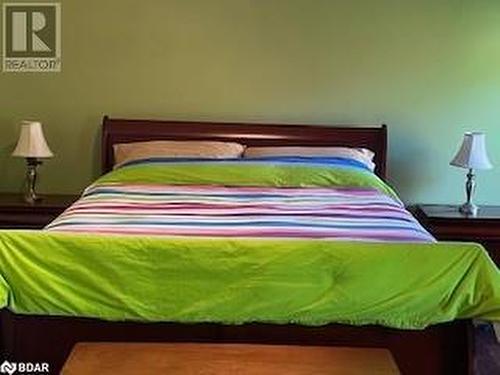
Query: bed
[{"x": 30, "y": 335}]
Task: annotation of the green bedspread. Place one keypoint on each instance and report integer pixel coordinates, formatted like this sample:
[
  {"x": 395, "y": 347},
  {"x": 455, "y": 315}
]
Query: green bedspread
[
  {"x": 310, "y": 282},
  {"x": 247, "y": 174},
  {"x": 238, "y": 280}
]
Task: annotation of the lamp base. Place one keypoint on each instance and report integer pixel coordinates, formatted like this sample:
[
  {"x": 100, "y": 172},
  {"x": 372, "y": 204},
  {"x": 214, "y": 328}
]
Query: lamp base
[
  {"x": 31, "y": 199},
  {"x": 30, "y": 195},
  {"x": 469, "y": 209}
]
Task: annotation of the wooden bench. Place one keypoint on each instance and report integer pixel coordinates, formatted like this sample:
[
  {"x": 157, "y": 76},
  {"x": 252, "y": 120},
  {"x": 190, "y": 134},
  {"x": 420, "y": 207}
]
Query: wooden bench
[{"x": 194, "y": 359}]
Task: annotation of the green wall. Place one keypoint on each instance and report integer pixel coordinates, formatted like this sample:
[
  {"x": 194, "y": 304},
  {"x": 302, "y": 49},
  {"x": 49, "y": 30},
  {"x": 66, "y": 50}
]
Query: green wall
[{"x": 430, "y": 69}]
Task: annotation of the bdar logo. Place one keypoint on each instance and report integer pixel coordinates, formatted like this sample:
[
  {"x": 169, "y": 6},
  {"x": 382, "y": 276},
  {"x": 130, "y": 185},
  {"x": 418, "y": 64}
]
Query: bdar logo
[
  {"x": 32, "y": 40},
  {"x": 24, "y": 368},
  {"x": 8, "y": 368}
]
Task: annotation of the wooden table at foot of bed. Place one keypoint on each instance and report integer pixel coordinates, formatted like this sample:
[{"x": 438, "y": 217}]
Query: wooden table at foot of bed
[{"x": 194, "y": 359}]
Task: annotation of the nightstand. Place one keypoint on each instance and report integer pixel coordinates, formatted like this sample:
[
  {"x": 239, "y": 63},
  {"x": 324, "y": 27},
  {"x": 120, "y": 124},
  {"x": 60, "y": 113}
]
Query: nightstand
[
  {"x": 446, "y": 223},
  {"x": 15, "y": 213}
]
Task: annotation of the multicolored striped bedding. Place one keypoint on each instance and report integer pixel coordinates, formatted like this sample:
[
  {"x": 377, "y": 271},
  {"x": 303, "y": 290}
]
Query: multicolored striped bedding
[{"x": 365, "y": 212}]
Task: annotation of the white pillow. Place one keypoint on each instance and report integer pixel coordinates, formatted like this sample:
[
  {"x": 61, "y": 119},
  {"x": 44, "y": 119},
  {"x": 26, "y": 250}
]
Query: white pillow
[{"x": 126, "y": 152}]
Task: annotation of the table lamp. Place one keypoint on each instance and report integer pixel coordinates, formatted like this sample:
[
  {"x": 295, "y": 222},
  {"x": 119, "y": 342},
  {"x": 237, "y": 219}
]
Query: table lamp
[
  {"x": 32, "y": 146},
  {"x": 471, "y": 155}
]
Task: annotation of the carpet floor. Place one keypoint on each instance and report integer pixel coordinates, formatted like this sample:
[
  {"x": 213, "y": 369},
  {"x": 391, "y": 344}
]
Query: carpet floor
[{"x": 487, "y": 351}]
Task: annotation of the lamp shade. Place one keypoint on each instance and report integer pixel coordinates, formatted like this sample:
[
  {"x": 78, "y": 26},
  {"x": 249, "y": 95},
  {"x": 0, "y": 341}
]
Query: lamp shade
[
  {"x": 32, "y": 143},
  {"x": 472, "y": 153}
]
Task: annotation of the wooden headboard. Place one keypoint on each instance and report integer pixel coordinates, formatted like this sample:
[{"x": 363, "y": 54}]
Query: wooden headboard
[{"x": 124, "y": 131}]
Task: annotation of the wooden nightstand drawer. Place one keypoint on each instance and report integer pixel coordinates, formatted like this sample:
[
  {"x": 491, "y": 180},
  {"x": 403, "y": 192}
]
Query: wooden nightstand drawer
[
  {"x": 17, "y": 214},
  {"x": 447, "y": 224}
]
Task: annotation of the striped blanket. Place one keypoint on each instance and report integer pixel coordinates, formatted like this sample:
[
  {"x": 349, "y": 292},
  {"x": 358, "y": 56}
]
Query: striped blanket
[{"x": 362, "y": 214}]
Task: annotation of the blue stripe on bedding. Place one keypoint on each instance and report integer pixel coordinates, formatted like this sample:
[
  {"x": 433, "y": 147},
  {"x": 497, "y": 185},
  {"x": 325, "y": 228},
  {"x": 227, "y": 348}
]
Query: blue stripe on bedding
[{"x": 330, "y": 161}]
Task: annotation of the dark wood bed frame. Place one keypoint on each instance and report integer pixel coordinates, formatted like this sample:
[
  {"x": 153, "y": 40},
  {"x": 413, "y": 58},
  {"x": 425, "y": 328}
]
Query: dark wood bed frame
[{"x": 440, "y": 349}]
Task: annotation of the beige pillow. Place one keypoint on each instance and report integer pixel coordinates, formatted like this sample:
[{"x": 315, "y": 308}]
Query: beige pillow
[
  {"x": 126, "y": 152},
  {"x": 362, "y": 155}
]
